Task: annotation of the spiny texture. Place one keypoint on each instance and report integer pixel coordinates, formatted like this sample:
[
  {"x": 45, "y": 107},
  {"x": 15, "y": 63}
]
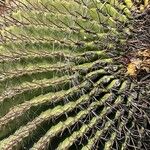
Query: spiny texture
[{"x": 61, "y": 86}]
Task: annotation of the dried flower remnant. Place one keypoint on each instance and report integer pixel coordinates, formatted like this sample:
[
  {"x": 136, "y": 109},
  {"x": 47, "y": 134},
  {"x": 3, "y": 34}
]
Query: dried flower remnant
[{"x": 141, "y": 61}]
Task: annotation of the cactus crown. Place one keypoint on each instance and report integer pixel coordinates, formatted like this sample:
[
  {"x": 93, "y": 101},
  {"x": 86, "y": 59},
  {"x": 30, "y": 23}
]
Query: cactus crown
[{"x": 61, "y": 84}]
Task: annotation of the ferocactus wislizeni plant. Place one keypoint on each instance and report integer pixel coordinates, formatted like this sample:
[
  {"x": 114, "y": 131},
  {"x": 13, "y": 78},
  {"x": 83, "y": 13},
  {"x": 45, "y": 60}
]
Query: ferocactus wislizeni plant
[{"x": 62, "y": 83}]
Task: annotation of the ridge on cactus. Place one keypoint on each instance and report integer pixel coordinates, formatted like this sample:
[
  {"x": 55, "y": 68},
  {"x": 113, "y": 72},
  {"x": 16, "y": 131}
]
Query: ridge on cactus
[{"x": 75, "y": 75}]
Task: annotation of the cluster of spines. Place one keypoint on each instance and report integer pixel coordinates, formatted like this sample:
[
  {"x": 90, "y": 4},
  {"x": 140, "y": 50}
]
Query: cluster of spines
[{"x": 58, "y": 82}]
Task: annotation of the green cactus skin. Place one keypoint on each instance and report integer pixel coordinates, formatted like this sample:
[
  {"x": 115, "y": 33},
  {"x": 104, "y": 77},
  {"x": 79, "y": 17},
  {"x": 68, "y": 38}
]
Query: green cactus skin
[{"x": 60, "y": 84}]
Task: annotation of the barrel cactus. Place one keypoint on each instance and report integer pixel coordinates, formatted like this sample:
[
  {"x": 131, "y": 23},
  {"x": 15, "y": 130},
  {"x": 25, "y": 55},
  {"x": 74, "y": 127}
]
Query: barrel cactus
[{"x": 64, "y": 82}]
